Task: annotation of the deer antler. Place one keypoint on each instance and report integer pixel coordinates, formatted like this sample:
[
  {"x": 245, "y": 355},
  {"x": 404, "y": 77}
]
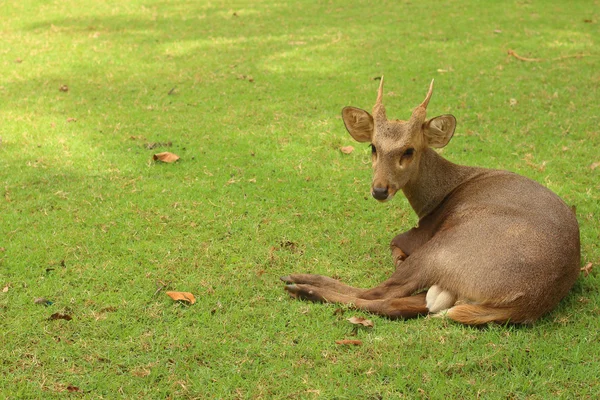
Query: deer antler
[
  {"x": 428, "y": 97},
  {"x": 379, "y": 109}
]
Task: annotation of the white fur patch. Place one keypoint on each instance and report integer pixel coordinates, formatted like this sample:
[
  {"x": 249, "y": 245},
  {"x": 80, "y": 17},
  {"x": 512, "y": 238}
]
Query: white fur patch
[{"x": 438, "y": 299}]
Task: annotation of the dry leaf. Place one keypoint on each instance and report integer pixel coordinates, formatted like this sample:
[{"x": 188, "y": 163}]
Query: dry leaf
[
  {"x": 349, "y": 342},
  {"x": 166, "y": 157},
  {"x": 587, "y": 269},
  {"x": 182, "y": 296},
  {"x": 347, "y": 149},
  {"x": 513, "y": 102},
  {"x": 595, "y": 165},
  {"x": 361, "y": 321},
  {"x": 64, "y": 88},
  {"x": 72, "y": 389},
  {"x": 5, "y": 288},
  {"x": 71, "y": 119},
  {"x": 56, "y": 316}
]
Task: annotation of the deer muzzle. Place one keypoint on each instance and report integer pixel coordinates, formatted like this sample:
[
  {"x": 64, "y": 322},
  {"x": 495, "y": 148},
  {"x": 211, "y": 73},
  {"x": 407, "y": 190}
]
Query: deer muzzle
[{"x": 382, "y": 193}]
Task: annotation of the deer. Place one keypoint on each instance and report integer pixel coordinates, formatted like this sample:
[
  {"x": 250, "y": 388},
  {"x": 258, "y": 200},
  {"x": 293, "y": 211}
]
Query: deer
[{"x": 490, "y": 246}]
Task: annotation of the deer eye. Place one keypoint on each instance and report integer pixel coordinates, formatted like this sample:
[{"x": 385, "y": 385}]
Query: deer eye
[{"x": 408, "y": 153}]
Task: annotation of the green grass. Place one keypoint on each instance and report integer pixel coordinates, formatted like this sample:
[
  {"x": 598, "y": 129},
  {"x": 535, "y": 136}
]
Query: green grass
[{"x": 249, "y": 94}]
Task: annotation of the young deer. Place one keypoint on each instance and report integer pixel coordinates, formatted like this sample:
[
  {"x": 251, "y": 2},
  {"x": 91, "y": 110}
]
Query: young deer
[{"x": 490, "y": 246}]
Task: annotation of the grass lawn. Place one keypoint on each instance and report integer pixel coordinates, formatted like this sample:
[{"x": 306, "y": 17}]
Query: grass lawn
[{"x": 249, "y": 95}]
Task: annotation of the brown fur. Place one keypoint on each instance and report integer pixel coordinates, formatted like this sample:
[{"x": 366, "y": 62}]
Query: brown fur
[{"x": 505, "y": 247}]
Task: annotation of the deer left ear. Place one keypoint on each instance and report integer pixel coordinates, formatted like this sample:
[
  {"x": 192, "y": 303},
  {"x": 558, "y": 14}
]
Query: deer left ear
[{"x": 439, "y": 130}]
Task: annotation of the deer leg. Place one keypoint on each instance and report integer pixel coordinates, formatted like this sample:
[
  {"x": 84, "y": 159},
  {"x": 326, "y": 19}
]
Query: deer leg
[
  {"x": 403, "y": 307},
  {"x": 320, "y": 282},
  {"x": 404, "y": 244},
  {"x": 397, "y": 255}
]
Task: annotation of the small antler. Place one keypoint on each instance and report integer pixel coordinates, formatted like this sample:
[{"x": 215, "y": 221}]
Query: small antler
[
  {"x": 379, "y": 109},
  {"x": 380, "y": 93},
  {"x": 428, "y": 97}
]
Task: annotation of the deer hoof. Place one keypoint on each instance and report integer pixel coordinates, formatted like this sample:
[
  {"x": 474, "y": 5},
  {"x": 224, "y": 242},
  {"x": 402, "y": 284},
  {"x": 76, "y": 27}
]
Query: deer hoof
[
  {"x": 292, "y": 290},
  {"x": 304, "y": 292}
]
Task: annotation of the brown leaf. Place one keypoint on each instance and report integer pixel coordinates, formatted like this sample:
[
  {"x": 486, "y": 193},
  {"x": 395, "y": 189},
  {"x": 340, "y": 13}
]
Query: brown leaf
[
  {"x": 587, "y": 269},
  {"x": 71, "y": 119},
  {"x": 182, "y": 296},
  {"x": 349, "y": 342},
  {"x": 347, "y": 149},
  {"x": 56, "y": 316},
  {"x": 166, "y": 157},
  {"x": 72, "y": 388},
  {"x": 360, "y": 321},
  {"x": 595, "y": 165},
  {"x": 64, "y": 88}
]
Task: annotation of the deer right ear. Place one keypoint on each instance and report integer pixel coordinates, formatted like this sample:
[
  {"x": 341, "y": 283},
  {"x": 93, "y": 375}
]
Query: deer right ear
[
  {"x": 359, "y": 123},
  {"x": 439, "y": 130}
]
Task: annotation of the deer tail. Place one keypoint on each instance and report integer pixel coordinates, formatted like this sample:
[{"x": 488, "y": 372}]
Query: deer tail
[{"x": 478, "y": 314}]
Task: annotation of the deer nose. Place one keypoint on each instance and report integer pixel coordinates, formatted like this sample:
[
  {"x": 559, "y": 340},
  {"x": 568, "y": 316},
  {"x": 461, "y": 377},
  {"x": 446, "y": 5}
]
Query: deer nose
[{"x": 380, "y": 193}]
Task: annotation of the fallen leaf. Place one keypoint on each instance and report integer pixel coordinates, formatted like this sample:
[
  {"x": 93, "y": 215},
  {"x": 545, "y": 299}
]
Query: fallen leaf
[
  {"x": 5, "y": 288},
  {"x": 18, "y": 61},
  {"x": 71, "y": 119},
  {"x": 595, "y": 165},
  {"x": 360, "y": 321},
  {"x": 64, "y": 88},
  {"x": 347, "y": 149},
  {"x": 182, "y": 296},
  {"x": 72, "y": 388},
  {"x": 166, "y": 157},
  {"x": 349, "y": 342},
  {"x": 587, "y": 269},
  {"x": 513, "y": 102},
  {"x": 56, "y": 316}
]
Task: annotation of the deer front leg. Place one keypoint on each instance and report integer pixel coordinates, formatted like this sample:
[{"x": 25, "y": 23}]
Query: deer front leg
[
  {"x": 397, "y": 255},
  {"x": 404, "y": 244}
]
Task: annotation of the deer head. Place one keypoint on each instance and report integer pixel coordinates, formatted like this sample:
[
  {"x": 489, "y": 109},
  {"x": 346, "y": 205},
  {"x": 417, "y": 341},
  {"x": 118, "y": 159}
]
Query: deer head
[{"x": 397, "y": 145}]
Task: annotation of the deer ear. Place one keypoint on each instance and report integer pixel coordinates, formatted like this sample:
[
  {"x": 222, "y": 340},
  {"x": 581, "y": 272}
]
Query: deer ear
[
  {"x": 359, "y": 123},
  {"x": 439, "y": 130}
]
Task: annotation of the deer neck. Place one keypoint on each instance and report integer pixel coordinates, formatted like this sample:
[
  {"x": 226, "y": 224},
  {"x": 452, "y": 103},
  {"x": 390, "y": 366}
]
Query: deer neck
[{"x": 435, "y": 179}]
